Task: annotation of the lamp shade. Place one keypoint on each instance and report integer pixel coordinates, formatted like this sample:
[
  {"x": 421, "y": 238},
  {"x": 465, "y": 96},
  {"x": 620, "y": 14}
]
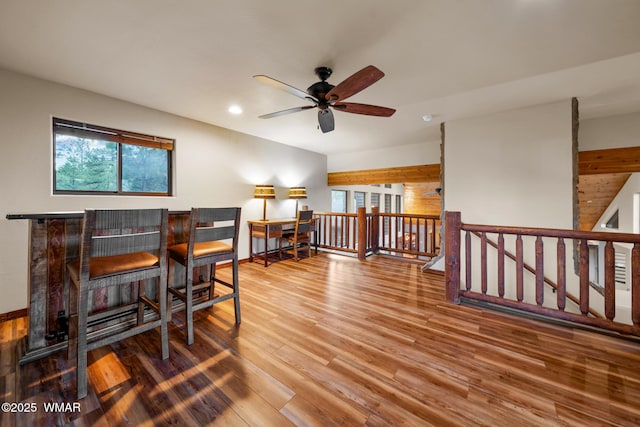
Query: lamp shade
[
  {"x": 264, "y": 192},
  {"x": 298, "y": 193}
]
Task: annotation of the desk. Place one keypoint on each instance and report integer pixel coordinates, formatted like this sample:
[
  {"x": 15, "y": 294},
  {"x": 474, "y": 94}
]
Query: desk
[
  {"x": 272, "y": 228},
  {"x": 267, "y": 229},
  {"x": 54, "y": 240}
]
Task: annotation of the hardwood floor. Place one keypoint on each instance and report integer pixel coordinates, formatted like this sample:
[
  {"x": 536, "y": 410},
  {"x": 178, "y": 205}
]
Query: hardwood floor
[{"x": 334, "y": 341}]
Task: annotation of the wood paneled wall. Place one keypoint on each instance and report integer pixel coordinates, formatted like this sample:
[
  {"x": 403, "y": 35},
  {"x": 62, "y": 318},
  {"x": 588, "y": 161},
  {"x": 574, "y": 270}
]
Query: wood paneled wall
[
  {"x": 612, "y": 160},
  {"x": 602, "y": 173},
  {"x": 418, "y": 198},
  {"x": 405, "y": 174}
]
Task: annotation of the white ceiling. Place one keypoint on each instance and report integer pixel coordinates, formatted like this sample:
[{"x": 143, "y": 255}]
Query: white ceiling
[{"x": 448, "y": 58}]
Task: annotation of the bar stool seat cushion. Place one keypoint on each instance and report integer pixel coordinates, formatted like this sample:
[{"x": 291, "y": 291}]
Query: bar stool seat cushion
[
  {"x": 200, "y": 249},
  {"x": 104, "y": 266}
]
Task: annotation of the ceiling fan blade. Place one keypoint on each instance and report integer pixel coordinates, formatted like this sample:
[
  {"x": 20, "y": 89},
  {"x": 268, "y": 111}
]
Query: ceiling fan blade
[
  {"x": 366, "y": 109},
  {"x": 325, "y": 120},
  {"x": 285, "y": 87},
  {"x": 355, "y": 83},
  {"x": 287, "y": 111}
]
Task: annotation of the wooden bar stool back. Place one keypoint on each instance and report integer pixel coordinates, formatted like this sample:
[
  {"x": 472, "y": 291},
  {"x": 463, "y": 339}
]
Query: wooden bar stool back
[
  {"x": 301, "y": 237},
  {"x": 213, "y": 238},
  {"x": 118, "y": 247}
]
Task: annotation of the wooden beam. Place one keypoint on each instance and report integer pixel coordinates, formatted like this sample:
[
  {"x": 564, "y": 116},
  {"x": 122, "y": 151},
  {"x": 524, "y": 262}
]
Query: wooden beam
[
  {"x": 422, "y": 173},
  {"x": 612, "y": 160}
]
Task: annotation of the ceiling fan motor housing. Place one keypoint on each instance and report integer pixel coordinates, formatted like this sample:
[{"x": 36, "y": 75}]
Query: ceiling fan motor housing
[{"x": 319, "y": 90}]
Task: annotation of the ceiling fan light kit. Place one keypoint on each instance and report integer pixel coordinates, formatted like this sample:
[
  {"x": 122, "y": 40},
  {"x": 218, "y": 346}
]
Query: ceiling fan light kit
[{"x": 325, "y": 96}]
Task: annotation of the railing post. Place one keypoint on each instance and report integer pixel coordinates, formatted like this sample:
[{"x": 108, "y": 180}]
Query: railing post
[
  {"x": 362, "y": 233},
  {"x": 375, "y": 229},
  {"x": 452, "y": 225}
]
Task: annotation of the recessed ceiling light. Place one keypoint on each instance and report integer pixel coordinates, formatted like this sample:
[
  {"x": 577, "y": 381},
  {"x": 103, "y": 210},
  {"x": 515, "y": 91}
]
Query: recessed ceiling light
[
  {"x": 235, "y": 109},
  {"x": 427, "y": 118}
]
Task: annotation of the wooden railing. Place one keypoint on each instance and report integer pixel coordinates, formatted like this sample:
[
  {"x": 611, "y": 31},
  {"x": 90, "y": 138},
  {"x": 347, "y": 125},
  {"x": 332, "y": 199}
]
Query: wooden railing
[
  {"x": 366, "y": 233},
  {"x": 337, "y": 231},
  {"x": 516, "y": 290},
  {"x": 410, "y": 234}
]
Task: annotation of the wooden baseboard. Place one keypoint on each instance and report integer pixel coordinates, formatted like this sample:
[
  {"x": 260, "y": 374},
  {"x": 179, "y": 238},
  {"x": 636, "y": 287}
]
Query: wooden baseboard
[{"x": 13, "y": 315}]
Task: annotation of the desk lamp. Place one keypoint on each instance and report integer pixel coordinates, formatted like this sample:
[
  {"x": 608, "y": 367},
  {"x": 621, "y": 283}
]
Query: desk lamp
[
  {"x": 264, "y": 192},
  {"x": 297, "y": 193}
]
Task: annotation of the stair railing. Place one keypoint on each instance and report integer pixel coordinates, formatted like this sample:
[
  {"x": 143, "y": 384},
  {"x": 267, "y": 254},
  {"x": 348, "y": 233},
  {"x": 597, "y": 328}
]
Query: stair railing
[{"x": 509, "y": 289}]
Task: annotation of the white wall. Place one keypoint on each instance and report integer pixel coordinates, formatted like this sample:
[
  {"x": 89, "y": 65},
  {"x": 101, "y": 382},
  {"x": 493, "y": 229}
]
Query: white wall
[
  {"x": 424, "y": 153},
  {"x": 610, "y": 132},
  {"x": 213, "y": 167},
  {"x": 512, "y": 168}
]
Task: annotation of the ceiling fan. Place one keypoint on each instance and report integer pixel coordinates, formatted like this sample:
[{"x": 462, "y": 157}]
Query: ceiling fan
[
  {"x": 325, "y": 96},
  {"x": 436, "y": 192}
]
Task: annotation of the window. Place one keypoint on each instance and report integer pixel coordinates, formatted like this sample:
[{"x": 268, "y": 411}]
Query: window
[
  {"x": 613, "y": 221},
  {"x": 339, "y": 201},
  {"x": 358, "y": 200},
  {"x": 398, "y": 203},
  {"x": 91, "y": 159},
  {"x": 375, "y": 200}
]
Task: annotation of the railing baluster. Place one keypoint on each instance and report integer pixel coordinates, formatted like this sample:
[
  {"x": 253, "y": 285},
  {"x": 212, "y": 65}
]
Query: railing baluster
[
  {"x": 562, "y": 274},
  {"x": 433, "y": 235},
  {"x": 483, "y": 262},
  {"x": 327, "y": 231},
  {"x": 332, "y": 230},
  {"x": 519, "y": 269},
  {"x": 345, "y": 232},
  {"x": 467, "y": 259},
  {"x": 501, "y": 265},
  {"x": 412, "y": 246},
  {"x": 385, "y": 239},
  {"x": 354, "y": 231},
  {"x": 609, "y": 281},
  {"x": 539, "y": 271},
  {"x": 635, "y": 284},
  {"x": 584, "y": 277}
]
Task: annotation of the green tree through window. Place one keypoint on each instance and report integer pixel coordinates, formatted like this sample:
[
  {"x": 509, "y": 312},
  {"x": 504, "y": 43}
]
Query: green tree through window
[
  {"x": 144, "y": 169},
  {"x": 85, "y": 164}
]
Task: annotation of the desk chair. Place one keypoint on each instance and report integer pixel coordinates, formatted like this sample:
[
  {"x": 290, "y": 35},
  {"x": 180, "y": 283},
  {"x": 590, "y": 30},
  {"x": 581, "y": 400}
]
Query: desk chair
[
  {"x": 209, "y": 228},
  {"x": 118, "y": 247},
  {"x": 300, "y": 239}
]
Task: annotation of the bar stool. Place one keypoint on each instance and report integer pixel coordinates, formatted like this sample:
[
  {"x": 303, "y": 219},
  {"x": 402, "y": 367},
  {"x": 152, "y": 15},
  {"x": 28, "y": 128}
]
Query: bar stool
[
  {"x": 209, "y": 228},
  {"x": 118, "y": 247}
]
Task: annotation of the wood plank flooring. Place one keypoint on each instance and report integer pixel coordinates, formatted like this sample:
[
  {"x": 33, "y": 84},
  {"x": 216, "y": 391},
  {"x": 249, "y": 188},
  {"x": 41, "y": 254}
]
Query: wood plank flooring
[{"x": 333, "y": 341}]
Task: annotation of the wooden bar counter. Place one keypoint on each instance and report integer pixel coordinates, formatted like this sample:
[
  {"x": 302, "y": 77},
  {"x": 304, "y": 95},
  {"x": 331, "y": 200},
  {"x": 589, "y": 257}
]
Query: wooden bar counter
[{"x": 54, "y": 239}]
